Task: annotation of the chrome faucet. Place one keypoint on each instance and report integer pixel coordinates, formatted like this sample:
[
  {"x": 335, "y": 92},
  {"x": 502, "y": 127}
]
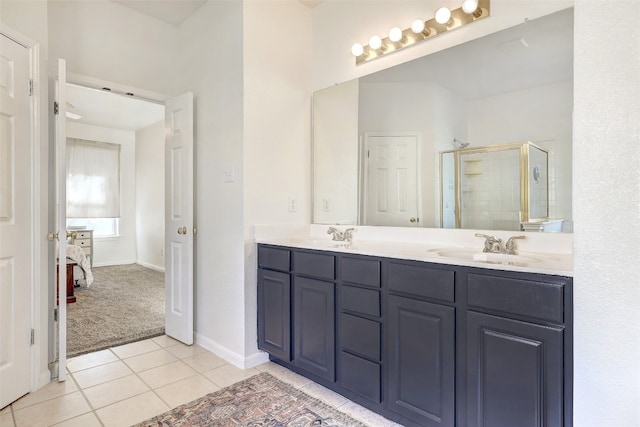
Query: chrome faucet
[
  {"x": 495, "y": 246},
  {"x": 341, "y": 236},
  {"x": 510, "y": 246}
]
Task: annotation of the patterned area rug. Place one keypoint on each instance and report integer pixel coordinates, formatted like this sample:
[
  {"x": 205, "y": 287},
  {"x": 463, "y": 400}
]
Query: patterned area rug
[
  {"x": 260, "y": 401},
  {"x": 124, "y": 304}
]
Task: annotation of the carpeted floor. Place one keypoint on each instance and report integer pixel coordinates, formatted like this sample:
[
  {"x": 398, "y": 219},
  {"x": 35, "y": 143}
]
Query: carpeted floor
[
  {"x": 124, "y": 304},
  {"x": 261, "y": 400}
]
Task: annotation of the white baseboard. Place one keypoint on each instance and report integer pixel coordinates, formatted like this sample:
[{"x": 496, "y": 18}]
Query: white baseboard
[
  {"x": 230, "y": 356},
  {"x": 112, "y": 263},
  {"x": 150, "y": 266}
]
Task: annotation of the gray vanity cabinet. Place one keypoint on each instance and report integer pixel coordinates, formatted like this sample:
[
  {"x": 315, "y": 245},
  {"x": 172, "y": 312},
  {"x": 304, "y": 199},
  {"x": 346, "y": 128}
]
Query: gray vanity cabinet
[
  {"x": 517, "y": 369},
  {"x": 314, "y": 313},
  {"x": 420, "y": 331},
  {"x": 360, "y": 327},
  {"x": 423, "y": 344},
  {"x": 274, "y": 302}
]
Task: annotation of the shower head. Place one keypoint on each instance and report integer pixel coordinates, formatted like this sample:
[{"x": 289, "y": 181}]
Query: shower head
[{"x": 459, "y": 144}]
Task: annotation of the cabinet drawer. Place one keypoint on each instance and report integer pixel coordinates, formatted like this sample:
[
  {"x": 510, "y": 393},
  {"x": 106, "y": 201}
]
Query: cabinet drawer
[
  {"x": 529, "y": 298},
  {"x": 317, "y": 265},
  {"x": 83, "y": 234},
  {"x": 360, "y": 336},
  {"x": 87, "y": 250},
  {"x": 274, "y": 258},
  {"x": 363, "y": 301},
  {"x": 82, "y": 242},
  {"x": 360, "y": 271},
  {"x": 360, "y": 376},
  {"x": 422, "y": 281}
]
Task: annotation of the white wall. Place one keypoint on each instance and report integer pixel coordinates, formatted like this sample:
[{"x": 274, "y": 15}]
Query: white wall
[
  {"x": 211, "y": 66},
  {"x": 277, "y": 114},
  {"x": 149, "y": 167},
  {"x": 120, "y": 249},
  {"x": 606, "y": 208},
  {"x": 104, "y": 40}
]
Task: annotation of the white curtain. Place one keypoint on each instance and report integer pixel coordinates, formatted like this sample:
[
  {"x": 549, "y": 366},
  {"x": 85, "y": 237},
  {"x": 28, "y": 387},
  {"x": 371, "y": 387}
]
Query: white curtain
[{"x": 93, "y": 179}]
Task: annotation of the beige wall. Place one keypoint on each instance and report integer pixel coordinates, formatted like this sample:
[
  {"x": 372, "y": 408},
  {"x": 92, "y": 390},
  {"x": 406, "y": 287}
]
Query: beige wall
[{"x": 149, "y": 190}]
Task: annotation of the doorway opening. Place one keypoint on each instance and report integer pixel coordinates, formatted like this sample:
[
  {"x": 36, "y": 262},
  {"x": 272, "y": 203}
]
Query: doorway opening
[{"x": 115, "y": 157}]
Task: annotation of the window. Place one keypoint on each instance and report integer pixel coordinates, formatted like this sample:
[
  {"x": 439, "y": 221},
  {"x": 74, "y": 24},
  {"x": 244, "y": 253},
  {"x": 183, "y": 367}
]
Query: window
[
  {"x": 93, "y": 186},
  {"x": 102, "y": 227}
]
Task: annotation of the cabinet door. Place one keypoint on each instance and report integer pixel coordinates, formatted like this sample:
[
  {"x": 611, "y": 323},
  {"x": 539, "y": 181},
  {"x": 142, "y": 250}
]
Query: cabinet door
[
  {"x": 421, "y": 356},
  {"x": 314, "y": 326},
  {"x": 274, "y": 313},
  {"x": 514, "y": 373}
]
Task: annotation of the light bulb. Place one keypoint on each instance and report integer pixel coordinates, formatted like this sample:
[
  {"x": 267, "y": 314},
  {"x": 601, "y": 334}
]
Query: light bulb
[
  {"x": 395, "y": 34},
  {"x": 417, "y": 26},
  {"x": 443, "y": 15},
  {"x": 375, "y": 42},
  {"x": 357, "y": 49},
  {"x": 469, "y": 6}
]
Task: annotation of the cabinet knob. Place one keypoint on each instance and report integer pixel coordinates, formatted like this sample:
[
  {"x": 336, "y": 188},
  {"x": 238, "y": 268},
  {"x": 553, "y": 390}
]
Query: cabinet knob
[
  {"x": 413, "y": 219},
  {"x": 182, "y": 230}
]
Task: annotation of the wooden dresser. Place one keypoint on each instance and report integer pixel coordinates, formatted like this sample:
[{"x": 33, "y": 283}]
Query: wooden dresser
[{"x": 84, "y": 239}]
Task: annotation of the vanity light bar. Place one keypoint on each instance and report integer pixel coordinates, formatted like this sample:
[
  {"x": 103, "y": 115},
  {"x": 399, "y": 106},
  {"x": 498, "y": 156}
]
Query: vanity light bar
[{"x": 444, "y": 20}]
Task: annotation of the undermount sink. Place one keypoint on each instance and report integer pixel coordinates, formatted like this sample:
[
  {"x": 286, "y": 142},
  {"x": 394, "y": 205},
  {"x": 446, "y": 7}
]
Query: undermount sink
[
  {"x": 491, "y": 258},
  {"x": 322, "y": 243}
]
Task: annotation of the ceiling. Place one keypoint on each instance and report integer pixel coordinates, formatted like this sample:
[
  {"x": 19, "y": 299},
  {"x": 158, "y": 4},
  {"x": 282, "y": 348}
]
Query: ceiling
[
  {"x": 172, "y": 12},
  {"x": 497, "y": 63},
  {"x": 175, "y": 12},
  {"x": 101, "y": 108}
]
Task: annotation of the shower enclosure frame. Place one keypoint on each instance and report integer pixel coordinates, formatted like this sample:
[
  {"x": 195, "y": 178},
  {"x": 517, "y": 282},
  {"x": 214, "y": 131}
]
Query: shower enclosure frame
[{"x": 525, "y": 175}]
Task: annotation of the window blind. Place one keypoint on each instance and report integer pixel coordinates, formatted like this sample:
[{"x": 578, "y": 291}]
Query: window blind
[{"x": 93, "y": 179}]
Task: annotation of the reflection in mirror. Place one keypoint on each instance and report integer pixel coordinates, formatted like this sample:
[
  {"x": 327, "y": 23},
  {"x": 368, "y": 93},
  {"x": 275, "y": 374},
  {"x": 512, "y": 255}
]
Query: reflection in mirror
[
  {"x": 500, "y": 187},
  {"x": 377, "y": 140}
]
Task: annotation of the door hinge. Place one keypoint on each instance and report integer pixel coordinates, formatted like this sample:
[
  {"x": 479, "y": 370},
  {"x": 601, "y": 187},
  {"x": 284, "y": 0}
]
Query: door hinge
[
  {"x": 55, "y": 107},
  {"x": 33, "y": 337},
  {"x": 30, "y": 87},
  {"x": 55, "y": 314}
]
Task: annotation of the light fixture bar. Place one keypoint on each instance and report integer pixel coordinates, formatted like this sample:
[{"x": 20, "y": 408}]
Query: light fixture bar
[{"x": 431, "y": 29}]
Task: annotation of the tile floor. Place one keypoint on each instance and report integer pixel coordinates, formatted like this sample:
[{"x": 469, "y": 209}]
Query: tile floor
[{"x": 124, "y": 385}]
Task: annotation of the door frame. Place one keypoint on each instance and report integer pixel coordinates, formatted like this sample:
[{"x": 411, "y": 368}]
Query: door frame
[
  {"x": 39, "y": 374},
  {"x": 364, "y": 170}
]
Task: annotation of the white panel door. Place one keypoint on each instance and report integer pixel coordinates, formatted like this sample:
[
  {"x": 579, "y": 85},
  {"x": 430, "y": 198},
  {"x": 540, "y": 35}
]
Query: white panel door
[
  {"x": 391, "y": 180},
  {"x": 61, "y": 214},
  {"x": 179, "y": 226},
  {"x": 16, "y": 229}
]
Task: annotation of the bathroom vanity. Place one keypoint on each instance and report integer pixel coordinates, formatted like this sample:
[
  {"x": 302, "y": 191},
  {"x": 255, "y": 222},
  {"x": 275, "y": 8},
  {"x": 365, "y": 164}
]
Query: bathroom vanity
[{"x": 424, "y": 343}]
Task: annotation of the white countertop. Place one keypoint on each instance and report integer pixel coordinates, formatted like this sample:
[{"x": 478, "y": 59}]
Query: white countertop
[{"x": 429, "y": 246}]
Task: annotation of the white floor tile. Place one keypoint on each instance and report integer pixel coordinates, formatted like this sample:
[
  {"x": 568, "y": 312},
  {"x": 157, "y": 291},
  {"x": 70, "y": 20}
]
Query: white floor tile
[
  {"x": 165, "y": 341},
  {"x": 114, "y": 391},
  {"x": 6, "y": 419},
  {"x": 204, "y": 361},
  {"x": 5, "y": 410},
  {"x": 186, "y": 390},
  {"x": 52, "y": 411},
  {"x": 86, "y": 420},
  {"x": 182, "y": 351},
  {"x": 50, "y": 391},
  {"x": 135, "y": 348},
  {"x": 150, "y": 360},
  {"x": 364, "y": 415},
  {"x": 167, "y": 374},
  {"x": 132, "y": 411},
  {"x": 329, "y": 397},
  {"x": 91, "y": 360},
  {"x": 228, "y": 374},
  {"x": 101, "y": 374}
]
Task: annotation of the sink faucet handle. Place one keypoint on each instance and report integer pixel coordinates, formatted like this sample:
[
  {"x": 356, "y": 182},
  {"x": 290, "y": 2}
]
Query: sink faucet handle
[
  {"x": 491, "y": 244},
  {"x": 510, "y": 246},
  {"x": 348, "y": 234}
]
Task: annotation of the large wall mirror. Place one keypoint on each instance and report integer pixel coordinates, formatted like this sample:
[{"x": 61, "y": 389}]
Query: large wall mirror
[{"x": 378, "y": 140}]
